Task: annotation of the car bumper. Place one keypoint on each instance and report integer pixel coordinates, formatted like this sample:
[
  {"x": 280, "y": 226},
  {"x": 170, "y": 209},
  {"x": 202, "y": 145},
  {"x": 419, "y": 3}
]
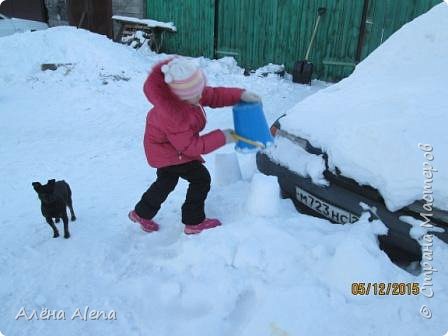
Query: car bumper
[{"x": 343, "y": 198}]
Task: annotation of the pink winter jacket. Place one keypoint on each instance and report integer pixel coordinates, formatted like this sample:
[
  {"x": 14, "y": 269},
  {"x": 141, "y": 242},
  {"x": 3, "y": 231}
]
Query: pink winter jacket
[{"x": 173, "y": 126}]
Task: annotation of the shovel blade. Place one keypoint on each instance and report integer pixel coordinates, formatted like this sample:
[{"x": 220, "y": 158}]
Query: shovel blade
[{"x": 302, "y": 72}]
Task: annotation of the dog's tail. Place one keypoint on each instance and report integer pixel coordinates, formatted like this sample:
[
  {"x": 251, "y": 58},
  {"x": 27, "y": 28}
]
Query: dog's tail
[{"x": 69, "y": 191}]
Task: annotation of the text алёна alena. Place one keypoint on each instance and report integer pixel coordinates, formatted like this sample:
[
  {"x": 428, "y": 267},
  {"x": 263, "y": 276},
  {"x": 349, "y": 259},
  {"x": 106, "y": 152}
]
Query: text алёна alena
[{"x": 85, "y": 314}]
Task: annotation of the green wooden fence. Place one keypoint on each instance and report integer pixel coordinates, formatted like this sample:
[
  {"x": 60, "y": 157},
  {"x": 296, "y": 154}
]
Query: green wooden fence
[
  {"x": 194, "y": 20},
  {"x": 257, "y": 32},
  {"x": 387, "y": 16}
]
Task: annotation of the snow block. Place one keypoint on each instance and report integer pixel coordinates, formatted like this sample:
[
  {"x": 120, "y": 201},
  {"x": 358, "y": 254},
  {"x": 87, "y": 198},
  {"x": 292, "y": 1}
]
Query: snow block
[
  {"x": 227, "y": 169},
  {"x": 264, "y": 196},
  {"x": 249, "y": 122}
]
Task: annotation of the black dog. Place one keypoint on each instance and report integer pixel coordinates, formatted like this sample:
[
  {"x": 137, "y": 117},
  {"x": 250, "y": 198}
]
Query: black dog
[{"x": 55, "y": 197}]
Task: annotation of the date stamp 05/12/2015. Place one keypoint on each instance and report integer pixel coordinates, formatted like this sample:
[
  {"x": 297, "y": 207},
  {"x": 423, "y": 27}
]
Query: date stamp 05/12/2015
[{"x": 385, "y": 288}]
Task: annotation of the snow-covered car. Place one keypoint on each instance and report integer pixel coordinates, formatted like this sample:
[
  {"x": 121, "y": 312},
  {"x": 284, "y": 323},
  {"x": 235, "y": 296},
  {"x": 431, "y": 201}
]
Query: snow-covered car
[
  {"x": 376, "y": 141},
  {"x": 9, "y": 26}
]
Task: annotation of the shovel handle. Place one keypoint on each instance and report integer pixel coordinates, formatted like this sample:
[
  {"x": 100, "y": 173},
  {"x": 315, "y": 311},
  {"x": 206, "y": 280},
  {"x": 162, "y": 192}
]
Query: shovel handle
[
  {"x": 248, "y": 141},
  {"x": 321, "y": 11}
]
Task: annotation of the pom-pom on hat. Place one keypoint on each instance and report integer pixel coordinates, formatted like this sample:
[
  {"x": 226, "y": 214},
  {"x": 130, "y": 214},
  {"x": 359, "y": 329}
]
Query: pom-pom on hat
[{"x": 184, "y": 77}]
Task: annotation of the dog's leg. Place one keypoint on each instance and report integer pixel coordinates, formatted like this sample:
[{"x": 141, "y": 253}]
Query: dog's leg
[
  {"x": 55, "y": 230},
  {"x": 65, "y": 220}
]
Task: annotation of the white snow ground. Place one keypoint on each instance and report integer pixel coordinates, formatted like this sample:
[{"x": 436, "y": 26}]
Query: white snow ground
[{"x": 284, "y": 275}]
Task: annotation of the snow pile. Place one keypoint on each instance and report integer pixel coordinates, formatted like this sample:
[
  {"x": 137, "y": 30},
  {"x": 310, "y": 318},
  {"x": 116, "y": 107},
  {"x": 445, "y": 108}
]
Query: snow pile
[
  {"x": 270, "y": 70},
  {"x": 90, "y": 56},
  {"x": 289, "y": 274},
  {"x": 264, "y": 196},
  {"x": 223, "y": 66},
  {"x": 371, "y": 123},
  {"x": 227, "y": 169},
  {"x": 294, "y": 157}
]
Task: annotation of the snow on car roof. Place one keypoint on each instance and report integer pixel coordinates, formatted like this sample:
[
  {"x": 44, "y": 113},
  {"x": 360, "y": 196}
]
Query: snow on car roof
[{"x": 371, "y": 123}]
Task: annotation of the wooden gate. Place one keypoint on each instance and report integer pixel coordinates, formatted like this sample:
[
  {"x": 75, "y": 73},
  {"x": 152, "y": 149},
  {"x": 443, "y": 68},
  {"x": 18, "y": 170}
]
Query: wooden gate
[
  {"x": 278, "y": 31},
  {"x": 93, "y": 15}
]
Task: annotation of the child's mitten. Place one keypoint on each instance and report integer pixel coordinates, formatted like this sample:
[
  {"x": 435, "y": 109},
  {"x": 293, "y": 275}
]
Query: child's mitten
[
  {"x": 250, "y": 97},
  {"x": 229, "y": 135}
]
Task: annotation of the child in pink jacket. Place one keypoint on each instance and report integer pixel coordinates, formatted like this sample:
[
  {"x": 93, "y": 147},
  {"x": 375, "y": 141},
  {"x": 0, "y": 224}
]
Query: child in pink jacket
[{"x": 177, "y": 90}]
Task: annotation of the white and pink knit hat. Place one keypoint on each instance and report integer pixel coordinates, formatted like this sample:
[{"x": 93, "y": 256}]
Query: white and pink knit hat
[{"x": 184, "y": 77}]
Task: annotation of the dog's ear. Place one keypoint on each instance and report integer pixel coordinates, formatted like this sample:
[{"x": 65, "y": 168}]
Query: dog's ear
[
  {"x": 36, "y": 186},
  {"x": 52, "y": 181}
]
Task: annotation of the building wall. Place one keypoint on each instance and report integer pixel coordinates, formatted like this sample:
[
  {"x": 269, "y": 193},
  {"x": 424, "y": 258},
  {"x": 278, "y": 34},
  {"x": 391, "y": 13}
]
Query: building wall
[
  {"x": 25, "y": 9},
  {"x": 57, "y": 10},
  {"x": 133, "y": 8}
]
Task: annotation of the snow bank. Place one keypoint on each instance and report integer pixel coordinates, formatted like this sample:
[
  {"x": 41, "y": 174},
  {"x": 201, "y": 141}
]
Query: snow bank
[
  {"x": 89, "y": 55},
  {"x": 371, "y": 123}
]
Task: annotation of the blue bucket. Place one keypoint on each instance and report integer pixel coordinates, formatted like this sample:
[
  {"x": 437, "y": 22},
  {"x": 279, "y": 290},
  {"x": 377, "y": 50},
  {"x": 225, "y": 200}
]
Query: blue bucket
[{"x": 249, "y": 122}]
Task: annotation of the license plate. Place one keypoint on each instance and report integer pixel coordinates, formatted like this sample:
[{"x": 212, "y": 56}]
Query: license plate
[{"x": 329, "y": 211}]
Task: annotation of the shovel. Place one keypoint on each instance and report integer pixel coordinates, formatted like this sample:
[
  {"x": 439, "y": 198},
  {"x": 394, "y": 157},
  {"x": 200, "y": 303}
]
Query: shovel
[
  {"x": 257, "y": 144},
  {"x": 303, "y": 70}
]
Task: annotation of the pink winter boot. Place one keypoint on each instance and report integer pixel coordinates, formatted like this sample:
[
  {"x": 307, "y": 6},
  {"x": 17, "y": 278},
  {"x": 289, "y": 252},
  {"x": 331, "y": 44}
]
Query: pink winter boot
[
  {"x": 147, "y": 225},
  {"x": 207, "y": 223}
]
